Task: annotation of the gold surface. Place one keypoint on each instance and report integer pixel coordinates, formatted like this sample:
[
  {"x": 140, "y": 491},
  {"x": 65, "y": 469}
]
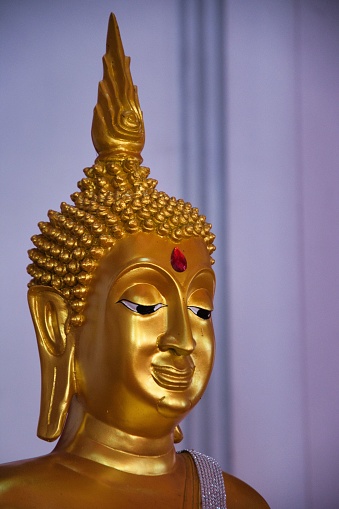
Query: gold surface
[
  {"x": 118, "y": 396},
  {"x": 126, "y": 342},
  {"x": 118, "y": 126}
]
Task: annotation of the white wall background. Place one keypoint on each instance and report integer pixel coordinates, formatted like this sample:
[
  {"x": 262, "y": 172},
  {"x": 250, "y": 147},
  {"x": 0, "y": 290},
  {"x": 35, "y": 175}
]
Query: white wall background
[{"x": 266, "y": 75}]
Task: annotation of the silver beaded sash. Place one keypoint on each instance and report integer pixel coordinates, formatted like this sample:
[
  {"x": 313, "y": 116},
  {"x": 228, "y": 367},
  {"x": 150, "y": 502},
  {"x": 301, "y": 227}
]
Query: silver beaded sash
[{"x": 213, "y": 494}]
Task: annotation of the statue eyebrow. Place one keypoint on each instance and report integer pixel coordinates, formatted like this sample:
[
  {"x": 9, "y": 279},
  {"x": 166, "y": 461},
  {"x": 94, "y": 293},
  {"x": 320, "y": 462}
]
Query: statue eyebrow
[{"x": 205, "y": 273}]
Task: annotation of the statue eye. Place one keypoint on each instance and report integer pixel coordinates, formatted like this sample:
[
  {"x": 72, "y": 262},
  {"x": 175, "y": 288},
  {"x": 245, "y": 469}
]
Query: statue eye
[
  {"x": 140, "y": 308},
  {"x": 205, "y": 314}
]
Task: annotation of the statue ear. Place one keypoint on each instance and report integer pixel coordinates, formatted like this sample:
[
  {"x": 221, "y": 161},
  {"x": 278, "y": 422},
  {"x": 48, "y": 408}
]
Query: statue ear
[
  {"x": 50, "y": 313},
  {"x": 178, "y": 434}
]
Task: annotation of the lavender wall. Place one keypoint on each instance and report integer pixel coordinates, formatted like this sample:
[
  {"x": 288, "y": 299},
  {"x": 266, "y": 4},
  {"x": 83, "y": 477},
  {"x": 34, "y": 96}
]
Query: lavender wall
[
  {"x": 266, "y": 354},
  {"x": 319, "y": 158},
  {"x": 274, "y": 393},
  {"x": 283, "y": 247}
]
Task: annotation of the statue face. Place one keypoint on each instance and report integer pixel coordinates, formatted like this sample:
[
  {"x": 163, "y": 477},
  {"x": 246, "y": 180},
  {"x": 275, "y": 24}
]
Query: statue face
[{"x": 145, "y": 352}]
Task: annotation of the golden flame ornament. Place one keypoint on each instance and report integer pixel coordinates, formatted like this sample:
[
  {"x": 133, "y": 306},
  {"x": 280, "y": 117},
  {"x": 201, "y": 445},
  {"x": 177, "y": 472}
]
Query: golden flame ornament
[{"x": 118, "y": 127}]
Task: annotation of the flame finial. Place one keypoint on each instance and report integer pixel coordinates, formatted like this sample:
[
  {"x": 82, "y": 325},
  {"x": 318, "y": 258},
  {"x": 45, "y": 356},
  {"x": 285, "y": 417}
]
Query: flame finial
[{"x": 118, "y": 127}]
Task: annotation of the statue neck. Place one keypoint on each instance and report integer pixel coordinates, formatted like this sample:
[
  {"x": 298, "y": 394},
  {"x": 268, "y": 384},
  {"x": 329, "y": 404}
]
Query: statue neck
[{"x": 89, "y": 438}]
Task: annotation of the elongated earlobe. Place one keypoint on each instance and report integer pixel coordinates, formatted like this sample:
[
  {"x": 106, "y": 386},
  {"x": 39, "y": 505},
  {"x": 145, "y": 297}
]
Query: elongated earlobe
[
  {"x": 178, "y": 435},
  {"x": 56, "y": 349}
]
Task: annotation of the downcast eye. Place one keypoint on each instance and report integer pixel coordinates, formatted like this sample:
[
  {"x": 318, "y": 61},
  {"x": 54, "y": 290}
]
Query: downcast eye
[
  {"x": 205, "y": 314},
  {"x": 140, "y": 308}
]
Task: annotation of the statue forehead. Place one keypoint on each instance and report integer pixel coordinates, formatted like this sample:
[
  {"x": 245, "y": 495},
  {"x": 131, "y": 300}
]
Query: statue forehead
[{"x": 149, "y": 249}]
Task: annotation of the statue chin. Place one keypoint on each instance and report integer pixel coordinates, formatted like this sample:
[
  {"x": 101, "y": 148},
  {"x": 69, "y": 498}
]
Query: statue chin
[{"x": 171, "y": 406}]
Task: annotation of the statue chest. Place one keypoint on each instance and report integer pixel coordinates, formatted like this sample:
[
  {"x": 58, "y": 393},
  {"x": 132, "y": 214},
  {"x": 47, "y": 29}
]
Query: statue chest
[{"x": 82, "y": 484}]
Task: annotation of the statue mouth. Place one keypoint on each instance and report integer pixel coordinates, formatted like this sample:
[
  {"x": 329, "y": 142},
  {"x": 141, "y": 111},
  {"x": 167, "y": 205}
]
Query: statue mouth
[{"x": 172, "y": 378}]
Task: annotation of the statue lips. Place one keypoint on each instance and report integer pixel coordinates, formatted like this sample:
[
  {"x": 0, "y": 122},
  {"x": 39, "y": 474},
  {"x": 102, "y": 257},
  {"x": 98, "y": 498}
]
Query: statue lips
[{"x": 173, "y": 378}]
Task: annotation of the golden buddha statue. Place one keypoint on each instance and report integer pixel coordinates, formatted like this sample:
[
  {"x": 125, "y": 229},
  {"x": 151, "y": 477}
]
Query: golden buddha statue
[{"x": 121, "y": 297}]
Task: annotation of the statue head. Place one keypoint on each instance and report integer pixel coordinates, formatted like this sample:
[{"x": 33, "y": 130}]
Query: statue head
[{"x": 122, "y": 286}]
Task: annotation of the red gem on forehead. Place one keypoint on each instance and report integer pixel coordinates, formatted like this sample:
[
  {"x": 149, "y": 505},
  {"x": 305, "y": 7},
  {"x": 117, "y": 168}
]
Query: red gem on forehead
[{"x": 178, "y": 260}]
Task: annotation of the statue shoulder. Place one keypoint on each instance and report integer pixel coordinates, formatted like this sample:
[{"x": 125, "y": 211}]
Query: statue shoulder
[
  {"x": 23, "y": 484},
  {"x": 16, "y": 478},
  {"x": 241, "y": 496}
]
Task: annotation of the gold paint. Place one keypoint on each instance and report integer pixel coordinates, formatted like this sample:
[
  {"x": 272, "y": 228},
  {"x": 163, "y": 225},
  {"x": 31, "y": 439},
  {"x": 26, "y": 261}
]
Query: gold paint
[
  {"x": 52, "y": 397},
  {"x": 118, "y": 126},
  {"x": 126, "y": 343},
  {"x": 138, "y": 268}
]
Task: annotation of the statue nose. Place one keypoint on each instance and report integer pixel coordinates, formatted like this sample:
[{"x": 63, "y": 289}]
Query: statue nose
[{"x": 178, "y": 336}]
